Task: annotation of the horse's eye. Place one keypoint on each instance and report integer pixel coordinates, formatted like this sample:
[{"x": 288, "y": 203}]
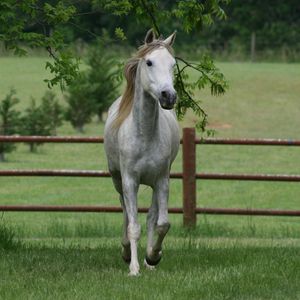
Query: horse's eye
[{"x": 149, "y": 63}]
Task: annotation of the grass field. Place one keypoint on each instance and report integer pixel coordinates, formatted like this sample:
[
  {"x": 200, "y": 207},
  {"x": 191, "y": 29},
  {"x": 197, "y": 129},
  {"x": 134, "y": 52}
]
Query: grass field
[{"x": 77, "y": 256}]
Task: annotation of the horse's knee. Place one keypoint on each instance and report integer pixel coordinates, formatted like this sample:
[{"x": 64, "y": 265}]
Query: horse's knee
[
  {"x": 163, "y": 228},
  {"x": 134, "y": 231}
]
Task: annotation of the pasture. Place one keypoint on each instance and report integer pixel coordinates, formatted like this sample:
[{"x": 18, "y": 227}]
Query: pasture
[{"x": 77, "y": 256}]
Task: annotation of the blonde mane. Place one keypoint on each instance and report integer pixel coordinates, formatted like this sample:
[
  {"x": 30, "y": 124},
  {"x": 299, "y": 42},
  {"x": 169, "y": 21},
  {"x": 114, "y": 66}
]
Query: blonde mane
[{"x": 130, "y": 75}]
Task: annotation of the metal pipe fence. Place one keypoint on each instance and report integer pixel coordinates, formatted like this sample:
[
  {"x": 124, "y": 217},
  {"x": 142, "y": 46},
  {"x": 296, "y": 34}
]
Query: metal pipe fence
[{"x": 189, "y": 176}]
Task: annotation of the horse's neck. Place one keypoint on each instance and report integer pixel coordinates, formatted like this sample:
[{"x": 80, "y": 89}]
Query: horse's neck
[{"x": 145, "y": 113}]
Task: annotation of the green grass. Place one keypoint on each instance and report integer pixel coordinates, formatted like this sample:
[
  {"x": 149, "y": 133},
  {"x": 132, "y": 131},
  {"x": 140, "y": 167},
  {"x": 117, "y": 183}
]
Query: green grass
[
  {"x": 262, "y": 101},
  {"x": 204, "y": 269},
  {"x": 75, "y": 256}
]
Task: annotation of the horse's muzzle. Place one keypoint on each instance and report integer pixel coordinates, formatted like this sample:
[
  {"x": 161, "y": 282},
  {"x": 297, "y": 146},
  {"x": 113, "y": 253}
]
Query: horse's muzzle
[{"x": 167, "y": 99}]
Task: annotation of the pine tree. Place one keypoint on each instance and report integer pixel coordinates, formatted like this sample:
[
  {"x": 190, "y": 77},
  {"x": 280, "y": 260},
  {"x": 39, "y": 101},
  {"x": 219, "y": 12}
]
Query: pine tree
[
  {"x": 9, "y": 121},
  {"x": 103, "y": 75},
  {"x": 95, "y": 89},
  {"x": 35, "y": 122},
  {"x": 52, "y": 110},
  {"x": 80, "y": 107}
]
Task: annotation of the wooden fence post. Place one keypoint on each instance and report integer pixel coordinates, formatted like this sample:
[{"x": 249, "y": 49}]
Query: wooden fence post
[{"x": 189, "y": 177}]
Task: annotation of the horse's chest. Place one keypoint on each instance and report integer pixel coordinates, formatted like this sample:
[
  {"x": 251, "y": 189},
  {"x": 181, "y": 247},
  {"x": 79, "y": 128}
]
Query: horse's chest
[{"x": 152, "y": 162}]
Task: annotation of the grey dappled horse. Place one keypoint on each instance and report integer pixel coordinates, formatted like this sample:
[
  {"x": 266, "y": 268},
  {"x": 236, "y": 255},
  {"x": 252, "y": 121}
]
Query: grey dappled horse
[{"x": 141, "y": 142}]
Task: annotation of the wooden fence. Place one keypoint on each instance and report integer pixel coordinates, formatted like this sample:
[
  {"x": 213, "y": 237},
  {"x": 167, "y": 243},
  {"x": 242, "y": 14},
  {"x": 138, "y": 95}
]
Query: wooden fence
[{"x": 189, "y": 177}]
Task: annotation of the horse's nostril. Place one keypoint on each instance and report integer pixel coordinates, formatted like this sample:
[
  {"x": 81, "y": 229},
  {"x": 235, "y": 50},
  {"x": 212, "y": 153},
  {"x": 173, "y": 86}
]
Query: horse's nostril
[{"x": 164, "y": 94}]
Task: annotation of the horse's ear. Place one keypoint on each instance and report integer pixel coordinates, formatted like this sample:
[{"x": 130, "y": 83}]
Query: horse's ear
[
  {"x": 170, "y": 40},
  {"x": 150, "y": 36}
]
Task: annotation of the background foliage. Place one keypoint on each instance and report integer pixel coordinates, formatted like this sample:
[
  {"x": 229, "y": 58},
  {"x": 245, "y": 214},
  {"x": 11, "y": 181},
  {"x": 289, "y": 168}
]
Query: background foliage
[
  {"x": 265, "y": 29},
  {"x": 64, "y": 28},
  {"x": 42, "y": 24}
]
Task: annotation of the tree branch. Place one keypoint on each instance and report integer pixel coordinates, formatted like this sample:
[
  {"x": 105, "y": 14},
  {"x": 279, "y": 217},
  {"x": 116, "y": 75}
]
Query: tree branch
[
  {"x": 187, "y": 93},
  {"x": 148, "y": 11},
  {"x": 83, "y": 29},
  {"x": 188, "y": 64},
  {"x": 50, "y": 51},
  {"x": 193, "y": 67}
]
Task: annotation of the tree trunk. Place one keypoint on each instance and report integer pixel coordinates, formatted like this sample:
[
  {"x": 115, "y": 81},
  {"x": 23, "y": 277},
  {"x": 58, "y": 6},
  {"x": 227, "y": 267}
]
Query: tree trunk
[
  {"x": 100, "y": 117},
  {"x": 32, "y": 147},
  {"x": 253, "y": 46},
  {"x": 284, "y": 53},
  {"x": 2, "y": 157},
  {"x": 79, "y": 128}
]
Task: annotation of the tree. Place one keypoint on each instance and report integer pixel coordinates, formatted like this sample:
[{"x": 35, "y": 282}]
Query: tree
[
  {"x": 35, "y": 23},
  {"x": 9, "y": 121},
  {"x": 35, "y": 122},
  {"x": 102, "y": 78},
  {"x": 80, "y": 107},
  {"x": 52, "y": 111},
  {"x": 273, "y": 24},
  {"x": 95, "y": 89}
]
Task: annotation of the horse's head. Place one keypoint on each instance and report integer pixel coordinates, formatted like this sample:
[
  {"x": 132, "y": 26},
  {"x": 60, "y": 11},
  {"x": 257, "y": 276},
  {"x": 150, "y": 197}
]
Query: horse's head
[{"x": 157, "y": 70}]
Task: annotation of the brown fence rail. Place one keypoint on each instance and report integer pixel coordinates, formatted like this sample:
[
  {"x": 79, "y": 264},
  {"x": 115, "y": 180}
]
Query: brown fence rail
[
  {"x": 188, "y": 176},
  {"x": 94, "y": 173},
  {"x": 50, "y": 139},
  {"x": 173, "y": 210},
  {"x": 93, "y": 139}
]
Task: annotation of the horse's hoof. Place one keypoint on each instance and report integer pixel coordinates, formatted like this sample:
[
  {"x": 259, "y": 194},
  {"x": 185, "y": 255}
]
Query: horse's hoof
[
  {"x": 126, "y": 259},
  {"x": 152, "y": 262},
  {"x": 134, "y": 269},
  {"x": 134, "y": 273},
  {"x": 151, "y": 268}
]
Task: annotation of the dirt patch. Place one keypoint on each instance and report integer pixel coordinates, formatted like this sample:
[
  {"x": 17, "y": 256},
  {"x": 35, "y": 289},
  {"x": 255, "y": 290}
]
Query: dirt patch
[{"x": 219, "y": 125}]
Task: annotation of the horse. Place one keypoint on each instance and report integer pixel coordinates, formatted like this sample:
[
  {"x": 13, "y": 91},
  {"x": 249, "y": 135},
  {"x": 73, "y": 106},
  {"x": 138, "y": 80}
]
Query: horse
[{"x": 141, "y": 140}]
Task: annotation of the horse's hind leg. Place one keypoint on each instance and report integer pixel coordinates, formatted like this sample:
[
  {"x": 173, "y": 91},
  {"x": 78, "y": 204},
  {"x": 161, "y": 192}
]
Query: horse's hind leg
[
  {"x": 126, "y": 255},
  {"x": 158, "y": 219}
]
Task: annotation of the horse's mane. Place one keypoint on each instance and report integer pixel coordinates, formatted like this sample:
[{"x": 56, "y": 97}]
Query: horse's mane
[{"x": 130, "y": 75}]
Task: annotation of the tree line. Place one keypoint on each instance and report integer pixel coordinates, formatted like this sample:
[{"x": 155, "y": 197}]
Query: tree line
[{"x": 253, "y": 28}]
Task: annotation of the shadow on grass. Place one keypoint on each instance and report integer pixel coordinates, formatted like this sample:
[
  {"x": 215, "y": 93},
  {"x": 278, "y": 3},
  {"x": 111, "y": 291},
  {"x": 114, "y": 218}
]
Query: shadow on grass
[{"x": 8, "y": 241}]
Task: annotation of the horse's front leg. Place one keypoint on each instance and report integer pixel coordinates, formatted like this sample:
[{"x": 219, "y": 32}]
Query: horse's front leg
[
  {"x": 157, "y": 221},
  {"x": 130, "y": 188},
  {"x": 126, "y": 253},
  {"x": 151, "y": 226}
]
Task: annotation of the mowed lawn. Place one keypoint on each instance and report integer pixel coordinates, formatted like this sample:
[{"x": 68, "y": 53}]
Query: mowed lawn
[{"x": 75, "y": 256}]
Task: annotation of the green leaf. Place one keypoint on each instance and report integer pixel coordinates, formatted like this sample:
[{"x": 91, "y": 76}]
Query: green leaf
[{"x": 120, "y": 34}]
